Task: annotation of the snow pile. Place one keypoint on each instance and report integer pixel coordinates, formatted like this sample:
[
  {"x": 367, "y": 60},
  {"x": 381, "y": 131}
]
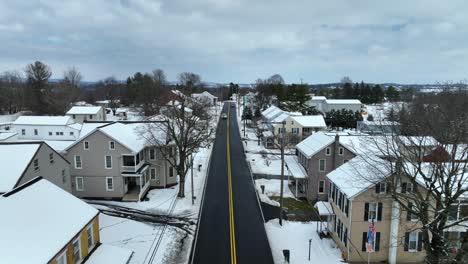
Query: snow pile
[
  {"x": 295, "y": 237},
  {"x": 272, "y": 188}
]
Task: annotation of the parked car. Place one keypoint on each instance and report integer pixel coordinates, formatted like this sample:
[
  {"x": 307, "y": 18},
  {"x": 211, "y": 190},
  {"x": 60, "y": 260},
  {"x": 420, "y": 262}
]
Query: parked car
[{"x": 224, "y": 116}]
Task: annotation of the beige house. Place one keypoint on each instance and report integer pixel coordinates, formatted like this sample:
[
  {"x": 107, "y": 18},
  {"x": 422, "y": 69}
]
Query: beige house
[
  {"x": 22, "y": 161},
  {"x": 358, "y": 194},
  {"x": 87, "y": 113},
  {"x": 114, "y": 161}
]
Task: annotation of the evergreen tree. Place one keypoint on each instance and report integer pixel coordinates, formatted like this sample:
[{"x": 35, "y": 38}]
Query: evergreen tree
[{"x": 392, "y": 94}]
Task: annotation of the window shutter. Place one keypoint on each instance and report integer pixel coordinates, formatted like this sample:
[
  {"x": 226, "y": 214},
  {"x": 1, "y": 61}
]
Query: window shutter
[
  {"x": 364, "y": 240},
  {"x": 347, "y": 207},
  {"x": 419, "y": 241},
  {"x": 389, "y": 187},
  {"x": 377, "y": 241},
  {"x": 406, "y": 241},
  {"x": 379, "y": 212},
  {"x": 366, "y": 212},
  {"x": 403, "y": 187},
  {"x": 408, "y": 212},
  {"x": 377, "y": 188}
]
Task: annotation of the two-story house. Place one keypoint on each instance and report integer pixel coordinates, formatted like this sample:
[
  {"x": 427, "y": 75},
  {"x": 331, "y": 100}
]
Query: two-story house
[
  {"x": 22, "y": 161},
  {"x": 87, "y": 113},
  {"x": 44, "y": 224},
  {"x": 358, "y": 192},
  {"x": 303, "y": 126},
  {"x": 115, "y": 161},
  {"x": 320, "y": 154}
]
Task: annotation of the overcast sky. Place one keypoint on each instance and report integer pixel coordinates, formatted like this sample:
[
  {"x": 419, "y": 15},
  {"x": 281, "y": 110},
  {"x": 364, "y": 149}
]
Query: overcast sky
[{"x": 241, "y": 40}]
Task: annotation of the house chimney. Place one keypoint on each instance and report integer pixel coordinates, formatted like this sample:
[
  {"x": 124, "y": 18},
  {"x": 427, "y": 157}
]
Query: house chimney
[{"x": 336, "y": 145}]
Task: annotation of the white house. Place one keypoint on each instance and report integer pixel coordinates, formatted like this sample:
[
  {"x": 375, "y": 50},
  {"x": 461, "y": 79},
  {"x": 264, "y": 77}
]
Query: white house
[
  {"x": 324, "y": 105},
  {"x": 317, "y": 101},
  {"x": 46, "y": 128},
  {"x": 205, "y": 97},
  {"x": 87, "y": 113}
]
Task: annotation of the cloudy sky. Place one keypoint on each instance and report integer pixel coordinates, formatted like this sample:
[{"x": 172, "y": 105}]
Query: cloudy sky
[{"x": 241, "y": 40}]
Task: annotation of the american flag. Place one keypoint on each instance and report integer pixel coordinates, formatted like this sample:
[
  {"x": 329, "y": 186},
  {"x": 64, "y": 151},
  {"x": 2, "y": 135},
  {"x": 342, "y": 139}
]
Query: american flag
[{"x": 370, "y": 237}]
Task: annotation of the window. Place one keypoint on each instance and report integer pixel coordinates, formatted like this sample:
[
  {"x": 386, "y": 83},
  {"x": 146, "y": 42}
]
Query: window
[
  {"x": 295, "y": 130},
  {"x": 411, "y": 216},
  {"x": 152, "y": 154},
  {"x": 72, "y": 133},
  {"x": 50, "y": 133},
  {"x": 79, "y": 184},
  {"x": 328, "y": 151},
  {"x": 413, "y": 241},
  {"x": 376, "y": 241},
  {"x": 57, "y": 133},
  {"x": 373, "y": 211},
  {"x": 77, "y": 250},
  {"x": 321, "y": 187},
  {"x": 51, "y": 158},
  {"x": 381, "y": 187},
  {"x": 108, "y": 162},
  {"x": 62, "y": 258},
  {"x": 90, "y": 117},
  {"x": 35, "y": 132},
  {"x": 111, "y": 145},
  {"x": 171, "y": 172},
  {"x": 61, "y": 133},
  {"x": 86, "y": 145},
  {"x": 74, "y": 116},
  {"x": 128, "y": 161},
  {"x": 89, "y": 232},
  {"x": 36, "y": 164},
  {"x": 109, "y": 184},
  {"x": 78, "y": 164},
  {"x": 341, "y": 151},
  {"x": 407, "y": 187},
  {"x": 64, "y": 178},
  {"x": 23, "y": 132},
  {"x": 153, "y": 174},
  {"x": 322, "y": 165},
  {"x": 171, "y": 151}
]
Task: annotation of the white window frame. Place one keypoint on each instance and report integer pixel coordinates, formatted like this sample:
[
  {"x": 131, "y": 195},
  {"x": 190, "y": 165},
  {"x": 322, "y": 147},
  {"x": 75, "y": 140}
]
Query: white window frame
[
  {"x": 415, "y": 242},
  {"x": 324, "y": 165},
  {"x": 323, "y": 187},
  {"x": 107, "y": 184},
  {"x": 111, "y": 145},
  {"x": 154, "y": 154},
  {"x": 88, "y": 229},
  {"x": 105, "y": 162},
  {"x": 340, "y": 151},
  {"x": 413, "y": 217},
  {"x": 328, "y": 151},
  {"x": 86, "y": 145},
  {"x": 76, "y": 184},
  {"x": 151, "y": 173},
  {"x": 79, "y": 250},
  {"x": 23, "y": 132},
  {"x": 36, "y": 132},
  {"x": 369, "y": 216},
  {"x": 295, "y": 130},
  {"x": 62, "y": 256},
  {"x": 384, "y": 189},
  {"x": 76, "y": 163}
]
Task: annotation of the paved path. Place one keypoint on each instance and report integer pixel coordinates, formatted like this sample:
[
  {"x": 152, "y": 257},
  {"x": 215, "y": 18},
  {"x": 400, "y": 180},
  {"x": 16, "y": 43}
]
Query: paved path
[{"x": 230, "y": 215}]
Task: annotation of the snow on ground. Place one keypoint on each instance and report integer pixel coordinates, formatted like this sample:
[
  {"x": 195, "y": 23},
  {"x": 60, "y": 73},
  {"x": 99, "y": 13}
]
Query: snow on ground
[
  {"x": 272, "y": 188},
  {"x": 295, "y": 237},
  {"x": 379, "y": 111},
  {"x": 109, "y": 254}
]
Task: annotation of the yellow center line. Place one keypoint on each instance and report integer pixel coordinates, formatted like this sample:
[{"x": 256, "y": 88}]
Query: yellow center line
[{"x": 232, "y": 233}]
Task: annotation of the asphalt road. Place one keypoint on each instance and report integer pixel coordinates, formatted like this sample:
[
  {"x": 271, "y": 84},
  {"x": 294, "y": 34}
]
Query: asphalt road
[{"x": 213, "y": 241}]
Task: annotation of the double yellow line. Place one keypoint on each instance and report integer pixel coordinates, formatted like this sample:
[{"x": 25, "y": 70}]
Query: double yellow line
[{"x": 232, "y": 233}]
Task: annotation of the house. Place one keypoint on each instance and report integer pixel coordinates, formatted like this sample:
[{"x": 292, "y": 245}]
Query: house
[
  {"x": 325, "y": 105},
  {"x": 87, "y": 113},
  {"x": 45, "y": 224},
  {"x": 304, "y": 126},
  {"x": 206, "y": 98},
  {"x": 320, "y": 154},
  {"x": 273, "y": 118},
  {"x": 46, "y": 128},
  {"x": 317, "y": 102},
  {"x": 22, "y": 161},
  {"x": 358, "y": 194},
  {"x": 378, "y": 127},
  {"x": 115, "y": 161}
]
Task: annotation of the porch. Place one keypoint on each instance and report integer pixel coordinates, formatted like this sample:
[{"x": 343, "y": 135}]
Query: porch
[{"x": 136, "y": 185}]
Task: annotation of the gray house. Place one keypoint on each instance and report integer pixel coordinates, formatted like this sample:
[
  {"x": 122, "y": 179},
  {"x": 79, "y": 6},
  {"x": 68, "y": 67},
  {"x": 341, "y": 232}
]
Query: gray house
[
  {"x": 114, "y": 161},
  {"x": 320, "y": 154},
  {"x": 21, "y": 162}
]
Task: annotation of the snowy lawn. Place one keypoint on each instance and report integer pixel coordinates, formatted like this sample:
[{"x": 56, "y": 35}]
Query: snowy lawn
[
  {"x": 295, "y": 237},
  {"x": 272, "y": 188}
]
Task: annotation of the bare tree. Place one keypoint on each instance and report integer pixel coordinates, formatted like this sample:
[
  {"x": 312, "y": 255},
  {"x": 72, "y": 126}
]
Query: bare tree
[
  {"x": 159, "y": 77},
  {"x": 188, "y": 129},
  {"x": 12, "y": 94},
  {"x": 428, "y": 178},
  {"x": 345, "y": 80},
  {"x": 189, "y": 82},
  {"x": 73, "y": 77},
  {"x": 112, "y": 93}
]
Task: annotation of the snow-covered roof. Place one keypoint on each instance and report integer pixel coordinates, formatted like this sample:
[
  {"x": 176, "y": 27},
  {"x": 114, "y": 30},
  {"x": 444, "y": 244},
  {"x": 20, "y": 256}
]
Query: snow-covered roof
[
  {"x": 205, "y": 94},
  {"x": 109, "y": 254},
  {"x": 271, "y": 112},
  {"x": 127, "y": 135},
  {"x": 87, "y": 128},
  {"x": 314, "y": 143},
  {"x": 296, "y": 169},
  {"x": 76, "y": 126},
  {"x": 43, "y": 120},
  {"x": 15, "y": 158},
  {"x": 39, "y": 221},
  {"x": 359, "y": 174},
  {"x": 324, "y": 208},
  {"x": 59, "y": 145},
  {"x": 280, "y": 118},
  {"x": 343, "y": 101},
  {"x": 318, "y": 98},
  {"x": 84, "y": 110},
  {"x": 310, "y": 120},
  {"x": 4, "y": 135},
  {"x": 267, "y": 134}
]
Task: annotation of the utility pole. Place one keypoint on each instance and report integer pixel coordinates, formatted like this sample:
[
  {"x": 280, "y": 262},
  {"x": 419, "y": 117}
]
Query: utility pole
[
  {"x": 282, "y": 171},
  {"x": 193, "y": 195}
]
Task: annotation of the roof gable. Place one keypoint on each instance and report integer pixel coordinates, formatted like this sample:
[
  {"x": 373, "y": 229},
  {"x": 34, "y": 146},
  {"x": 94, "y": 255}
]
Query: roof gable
[{"x": 314, "y": 143}]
